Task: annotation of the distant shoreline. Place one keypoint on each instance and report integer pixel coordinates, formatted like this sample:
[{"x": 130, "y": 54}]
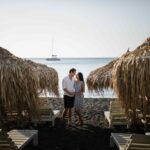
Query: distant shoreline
[{"x": 72, "y": 57}]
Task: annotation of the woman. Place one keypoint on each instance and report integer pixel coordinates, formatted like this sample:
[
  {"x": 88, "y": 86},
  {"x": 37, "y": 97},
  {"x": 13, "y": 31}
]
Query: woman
[{"x": 79, "y": 90}]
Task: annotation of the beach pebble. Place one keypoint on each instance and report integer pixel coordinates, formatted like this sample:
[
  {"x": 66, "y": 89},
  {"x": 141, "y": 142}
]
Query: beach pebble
[{"x": 93, "y": 109}]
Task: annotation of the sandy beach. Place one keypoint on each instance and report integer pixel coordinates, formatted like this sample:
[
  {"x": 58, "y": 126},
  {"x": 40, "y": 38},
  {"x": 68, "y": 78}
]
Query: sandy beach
[
  {"x": 93, "y": 135},
  {"x": 93, "y": 110}
]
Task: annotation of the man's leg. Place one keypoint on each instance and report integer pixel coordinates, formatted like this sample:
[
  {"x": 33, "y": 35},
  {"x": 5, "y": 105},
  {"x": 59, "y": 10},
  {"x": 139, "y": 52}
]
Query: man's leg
[
  {"x": 69, "y": 116},
  {"x": 64, "y": 112}
]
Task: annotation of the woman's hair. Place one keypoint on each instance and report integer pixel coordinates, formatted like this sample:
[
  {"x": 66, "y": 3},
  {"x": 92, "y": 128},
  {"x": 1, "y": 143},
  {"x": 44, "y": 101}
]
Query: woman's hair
[{"x": 80, "y": 75}]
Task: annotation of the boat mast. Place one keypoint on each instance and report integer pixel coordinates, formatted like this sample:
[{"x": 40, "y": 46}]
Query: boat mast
[{"x": 52, "y": 45}]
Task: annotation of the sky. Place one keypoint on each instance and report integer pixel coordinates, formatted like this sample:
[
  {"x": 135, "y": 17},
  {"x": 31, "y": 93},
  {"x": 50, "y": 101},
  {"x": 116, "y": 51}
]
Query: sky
[{"x": 79, "y": 28}]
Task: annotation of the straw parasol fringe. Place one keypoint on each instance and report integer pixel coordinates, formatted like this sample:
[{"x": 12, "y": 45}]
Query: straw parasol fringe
[
  {"x": 47, "y": 77},
  {"x": 131, "y": 78},
  {"x": 20, "y": 82},
  {"x": 18, "y": 85},
  {"x": 101, "y": 78}
]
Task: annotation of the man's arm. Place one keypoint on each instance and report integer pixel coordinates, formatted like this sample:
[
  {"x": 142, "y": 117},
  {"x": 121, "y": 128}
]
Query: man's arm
[{"x": 70, "y": 93}]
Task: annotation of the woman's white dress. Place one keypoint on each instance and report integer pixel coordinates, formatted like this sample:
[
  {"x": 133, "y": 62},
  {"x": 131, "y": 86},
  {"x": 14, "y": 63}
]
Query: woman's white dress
[{"x": 78, "y": 104}]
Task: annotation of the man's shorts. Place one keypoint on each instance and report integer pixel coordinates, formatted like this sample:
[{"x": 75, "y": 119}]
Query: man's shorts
[{"x": 68, "y": 101}]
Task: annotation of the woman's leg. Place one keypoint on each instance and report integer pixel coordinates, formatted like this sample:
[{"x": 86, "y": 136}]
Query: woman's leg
[{"x": 78, "y": 112}]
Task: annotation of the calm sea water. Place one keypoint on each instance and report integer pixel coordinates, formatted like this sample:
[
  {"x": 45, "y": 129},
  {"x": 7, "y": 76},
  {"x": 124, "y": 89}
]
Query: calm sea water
[{"x": 84, "y": 65}]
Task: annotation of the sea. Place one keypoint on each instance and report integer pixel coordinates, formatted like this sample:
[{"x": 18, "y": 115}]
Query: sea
[{"x": 84, "y": 65}]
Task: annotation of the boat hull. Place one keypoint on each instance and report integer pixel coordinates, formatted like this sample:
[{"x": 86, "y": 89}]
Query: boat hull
[{"x": 52, "y": 59}]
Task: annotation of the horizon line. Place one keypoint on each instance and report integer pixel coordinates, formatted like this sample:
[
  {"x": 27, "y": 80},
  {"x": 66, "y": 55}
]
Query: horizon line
[{"x": 73, "y": 57}]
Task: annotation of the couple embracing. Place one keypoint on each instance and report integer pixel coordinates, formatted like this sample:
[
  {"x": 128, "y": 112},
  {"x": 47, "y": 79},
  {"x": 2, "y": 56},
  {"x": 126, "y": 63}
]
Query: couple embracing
[{"x": 73, "y": 95}]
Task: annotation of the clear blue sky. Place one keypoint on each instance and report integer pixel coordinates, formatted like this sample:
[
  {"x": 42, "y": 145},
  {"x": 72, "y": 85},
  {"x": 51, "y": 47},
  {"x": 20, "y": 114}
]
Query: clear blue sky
[{"x": 80, "y": 28}]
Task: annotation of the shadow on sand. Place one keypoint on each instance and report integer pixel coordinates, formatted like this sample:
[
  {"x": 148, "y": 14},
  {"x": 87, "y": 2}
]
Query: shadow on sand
[{"x": 62, "y": 137}]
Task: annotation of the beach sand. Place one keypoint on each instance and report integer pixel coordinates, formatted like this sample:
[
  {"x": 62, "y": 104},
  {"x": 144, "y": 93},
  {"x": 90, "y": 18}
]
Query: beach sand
[
  {"x": 93, "y": 135},
  {"x": 93, "y": 110}
]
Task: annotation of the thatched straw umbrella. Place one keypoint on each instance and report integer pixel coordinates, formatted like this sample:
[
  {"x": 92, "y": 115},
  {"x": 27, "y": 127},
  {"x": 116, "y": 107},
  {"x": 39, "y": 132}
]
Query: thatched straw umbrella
[
  {"x": 129, "y": 76},
  {"x": 20, "y": 84},
  {"x": 131, "y": 79},
  {"x": 47, "y": 77},
  {"x": 101, "y": 78}
]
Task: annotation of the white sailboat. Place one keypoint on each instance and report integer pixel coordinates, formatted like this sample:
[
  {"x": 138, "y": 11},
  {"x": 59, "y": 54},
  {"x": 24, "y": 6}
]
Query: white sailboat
[{"x": 53, "y": 56}]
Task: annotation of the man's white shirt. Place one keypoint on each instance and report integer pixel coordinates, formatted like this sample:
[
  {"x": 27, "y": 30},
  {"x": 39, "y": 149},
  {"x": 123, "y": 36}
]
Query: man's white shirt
[{"x": 68, "y": 84}]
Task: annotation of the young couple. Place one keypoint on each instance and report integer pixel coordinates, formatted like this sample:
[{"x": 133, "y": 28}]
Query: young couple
[{"x": 73, "y": 95}]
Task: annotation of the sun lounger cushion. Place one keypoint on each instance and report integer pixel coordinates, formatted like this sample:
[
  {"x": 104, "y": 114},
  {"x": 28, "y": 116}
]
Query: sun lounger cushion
[
  {"x": 120, "y": 139},
  {"x": 116, "y": 114},
  {"x": 139, "y": 142},
  {"x": 22, "y": 137},
  {"x": 46, "y": 113},
  {"x": 130, "y": 141}
]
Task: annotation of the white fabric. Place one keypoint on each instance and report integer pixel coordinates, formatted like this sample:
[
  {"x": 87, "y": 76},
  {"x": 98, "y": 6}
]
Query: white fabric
[
  {"x": 78, "y": 104},
  {"x": 68, "y": 84}
]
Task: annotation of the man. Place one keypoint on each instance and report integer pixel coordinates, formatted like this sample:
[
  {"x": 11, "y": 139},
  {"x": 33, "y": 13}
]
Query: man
[{"x": 69, "y": 92}]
